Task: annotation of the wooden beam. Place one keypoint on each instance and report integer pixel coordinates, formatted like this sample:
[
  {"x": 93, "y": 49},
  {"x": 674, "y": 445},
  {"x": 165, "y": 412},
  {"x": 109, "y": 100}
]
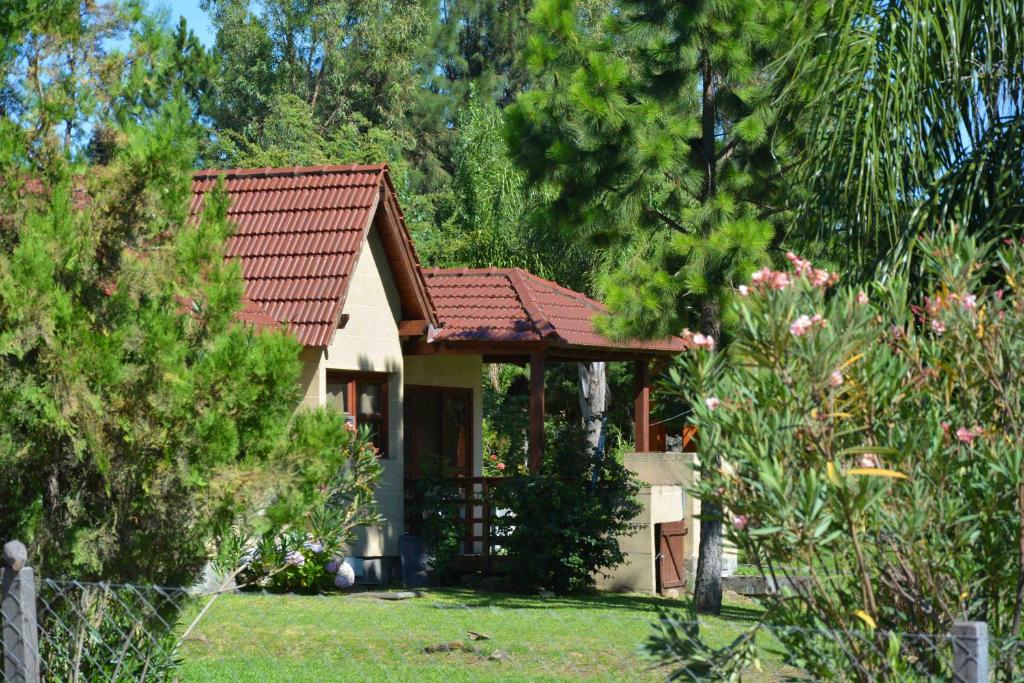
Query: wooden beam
[
  {"x": 642, "y": 406},
  {"x": 412, "y": 328},
  {"x": 536, "y": 410}
]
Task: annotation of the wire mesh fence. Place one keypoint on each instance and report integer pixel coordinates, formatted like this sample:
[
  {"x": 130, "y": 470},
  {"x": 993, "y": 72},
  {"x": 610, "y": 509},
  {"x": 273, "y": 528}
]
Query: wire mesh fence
[
  {"x": 66, "y": 630},
  {"x": 107, "y": 632}
]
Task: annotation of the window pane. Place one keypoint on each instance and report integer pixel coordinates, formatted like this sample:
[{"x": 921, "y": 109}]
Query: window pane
[
  {"x": 370, "y": 399},
  {"x": 337, "y": 396},
  {"x": 455, "y": 434},
  {"x": 376, "y": 429},
  {"x": 422, "y": 430}
]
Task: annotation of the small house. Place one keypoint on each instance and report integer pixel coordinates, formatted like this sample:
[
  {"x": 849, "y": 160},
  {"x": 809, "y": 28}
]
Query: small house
[{"x": 399, "y": 348}]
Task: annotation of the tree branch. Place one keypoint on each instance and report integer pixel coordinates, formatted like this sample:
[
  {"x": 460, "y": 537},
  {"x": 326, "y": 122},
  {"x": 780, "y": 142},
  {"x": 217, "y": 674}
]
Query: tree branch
[
  {"x": 665, "y": 219},
  {"x": 727, "y": 151}
]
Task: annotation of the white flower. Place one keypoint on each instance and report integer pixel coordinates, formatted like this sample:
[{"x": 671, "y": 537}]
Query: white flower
[{"x": 712, "y": 402}]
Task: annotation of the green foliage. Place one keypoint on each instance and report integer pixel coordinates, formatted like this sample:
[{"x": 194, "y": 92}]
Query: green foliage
[
  {"x": 137, "y": 417},
  {"x": 913, "y": 114},
  {"x": 437, "y": 508},
  {"x": 306, "y": 83},
  {"x": 675, "y": 641},
  {"x": 111, "y": 633},
  {"x": 878, "y": 448},
  {"x": 564, "y": 522},
  {"x": 662, "y": 120}
]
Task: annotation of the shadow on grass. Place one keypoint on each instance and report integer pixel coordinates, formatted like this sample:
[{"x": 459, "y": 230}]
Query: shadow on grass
[{"x": 461, "y": 598}]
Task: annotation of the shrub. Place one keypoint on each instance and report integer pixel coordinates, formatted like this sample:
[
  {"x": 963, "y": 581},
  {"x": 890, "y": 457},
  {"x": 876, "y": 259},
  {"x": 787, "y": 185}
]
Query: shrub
[
  {"x": 305, "y": 537},
  {"x": 565, "y": 521},
  {"x": 874, "y": 438}
]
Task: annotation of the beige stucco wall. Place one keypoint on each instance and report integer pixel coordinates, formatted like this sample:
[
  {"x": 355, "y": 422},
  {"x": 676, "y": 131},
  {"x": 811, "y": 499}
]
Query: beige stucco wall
[
  {"x": 664, "y": 497},
  {"x": 453, "y": 371},
  {"x": 369, "y": 342}
]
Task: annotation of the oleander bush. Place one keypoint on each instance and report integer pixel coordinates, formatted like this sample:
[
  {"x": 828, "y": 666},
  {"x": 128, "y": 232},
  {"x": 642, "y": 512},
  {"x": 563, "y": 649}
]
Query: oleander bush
[{"x": 873, "y": 436}]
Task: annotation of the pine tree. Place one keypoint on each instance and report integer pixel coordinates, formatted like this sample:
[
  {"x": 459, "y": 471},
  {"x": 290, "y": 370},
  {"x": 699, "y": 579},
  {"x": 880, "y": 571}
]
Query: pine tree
[
  {"x": 662, "y": 119},
  {"x": 138, "y": 416},
  {"x": 309, "y": 83}
]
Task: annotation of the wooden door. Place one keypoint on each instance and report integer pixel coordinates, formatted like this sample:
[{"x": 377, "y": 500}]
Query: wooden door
[{"x": 671, "y": 570}]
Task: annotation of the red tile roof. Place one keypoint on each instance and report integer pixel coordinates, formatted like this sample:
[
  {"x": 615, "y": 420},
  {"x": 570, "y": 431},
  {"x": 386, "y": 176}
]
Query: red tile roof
[
  {"x": 512, "y": 305},
  {"x": 298, "y": 236}
]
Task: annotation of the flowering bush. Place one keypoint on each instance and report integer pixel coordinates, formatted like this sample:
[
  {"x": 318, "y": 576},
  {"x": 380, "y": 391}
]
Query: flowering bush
[
  {"x": 304, "y": 550},
  {"x": 873, "y": 437}
]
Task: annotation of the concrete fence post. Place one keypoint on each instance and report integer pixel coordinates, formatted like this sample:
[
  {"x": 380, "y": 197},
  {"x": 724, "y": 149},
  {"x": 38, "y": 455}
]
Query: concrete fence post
[
  {"x": 18, "y": 616},
  {"x": 970, "y": 651}
]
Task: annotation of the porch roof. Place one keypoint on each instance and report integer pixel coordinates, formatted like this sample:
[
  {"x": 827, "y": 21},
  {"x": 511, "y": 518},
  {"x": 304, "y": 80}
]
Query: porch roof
[{"x": 508, "y": 311}]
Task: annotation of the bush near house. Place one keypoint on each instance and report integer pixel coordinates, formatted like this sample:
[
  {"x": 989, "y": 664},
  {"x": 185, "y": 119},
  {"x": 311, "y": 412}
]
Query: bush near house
[
  {"x": 564, "y": 523},
  {"x": 875, "y": 438}
]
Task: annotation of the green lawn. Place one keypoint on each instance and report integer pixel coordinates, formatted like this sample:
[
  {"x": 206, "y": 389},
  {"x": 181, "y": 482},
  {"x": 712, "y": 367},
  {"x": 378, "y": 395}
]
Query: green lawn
[{"x": 349, "y": 638}]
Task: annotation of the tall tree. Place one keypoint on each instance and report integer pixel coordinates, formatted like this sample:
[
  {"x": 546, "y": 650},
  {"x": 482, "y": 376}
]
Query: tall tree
[
  {"x": 136, "y": 412},
  {"x": 914, "y": 114},
  {"x": 664, "y": 121},
  {"x": 311, "y": 82}
]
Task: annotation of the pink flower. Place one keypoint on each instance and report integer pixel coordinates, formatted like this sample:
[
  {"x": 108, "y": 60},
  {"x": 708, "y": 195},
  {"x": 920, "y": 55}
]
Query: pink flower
[
  {"x": 969, "y": 301},
  {"x": 801, "y": 326},
  {"x": 712, "y": 402},
  {"x": 760, "y": 275},
  {"x": 868, "y": 460},
  {"x": 804, "y": 324},
  {"x": 494, "y": 457},
  {"x": 704, "y": 341},
  {"x": 740, "y": 522},
  {"x": 966, "y": 435},
  {"x": 500, "y": 466},
  {"x": 780, "y": 281},
  {"x": 862, "y": 297},
  {"x": 819, "y": 278},
  {"x": 938, "y": 326},
  {"x": 743, "y": 290},
  {"x": 801, "y": 266},
  {"x": 836, "y": 378}
]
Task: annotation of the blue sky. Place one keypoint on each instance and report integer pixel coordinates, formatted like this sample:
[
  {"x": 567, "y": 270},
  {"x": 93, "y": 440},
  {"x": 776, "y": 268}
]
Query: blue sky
[{"x": 197, "y": 19}]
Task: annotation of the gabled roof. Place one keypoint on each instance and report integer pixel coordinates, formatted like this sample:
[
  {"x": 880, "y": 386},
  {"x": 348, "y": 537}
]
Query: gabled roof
[
  {"x": 299, "y": 234},
  {"x": 510, "y": 305}
]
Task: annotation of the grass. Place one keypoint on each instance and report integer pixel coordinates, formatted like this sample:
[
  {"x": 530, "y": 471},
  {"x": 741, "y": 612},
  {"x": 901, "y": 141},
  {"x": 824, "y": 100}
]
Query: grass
[{"x": 255, "y": 637}]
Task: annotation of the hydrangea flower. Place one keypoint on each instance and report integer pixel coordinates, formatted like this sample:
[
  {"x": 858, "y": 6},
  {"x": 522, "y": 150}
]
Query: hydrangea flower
[
  {"x": 346, "y": 576},
  {"x": 314, "y": 546},
  {"x": 295, "y": 558},
  {"x": 332, "y": 565}
]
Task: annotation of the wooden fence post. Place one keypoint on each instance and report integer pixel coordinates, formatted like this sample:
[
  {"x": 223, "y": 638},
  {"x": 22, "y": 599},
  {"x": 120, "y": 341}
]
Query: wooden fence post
[
  {"x": 18, "y": 616},
  {"x": 970, "y": 651}
]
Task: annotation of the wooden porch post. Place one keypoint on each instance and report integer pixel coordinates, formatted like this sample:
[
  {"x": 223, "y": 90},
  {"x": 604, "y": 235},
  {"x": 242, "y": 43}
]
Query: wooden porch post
[
  {"x": 536, "y": 410},
  {"x": 642, "y": 406}
]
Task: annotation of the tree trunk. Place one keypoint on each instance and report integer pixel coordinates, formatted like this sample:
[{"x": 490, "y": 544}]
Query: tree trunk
[
  {"x": 593, "y": 403},
  {"x": 707, "y": 584}
]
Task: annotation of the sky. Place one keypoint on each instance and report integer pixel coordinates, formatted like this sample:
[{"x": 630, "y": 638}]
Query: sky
[{"x": 197, "y": 19}]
